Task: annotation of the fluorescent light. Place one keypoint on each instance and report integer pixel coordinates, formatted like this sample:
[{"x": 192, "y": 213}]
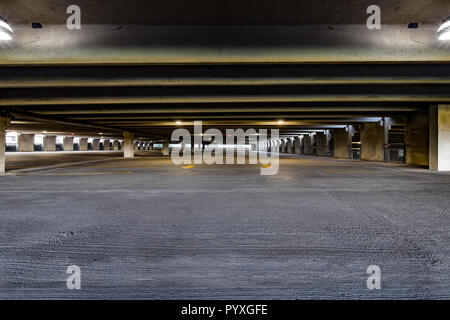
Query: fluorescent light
[
  {"x": 6, "y": 26},
  {"x": 280, "y": 121},
  {"x": 4, "y": 36},
  {"x": 178, "y": 122},
  {"x": 444, "y": 30},
  {"x": 445, "y": 36},
  {"x": 446, "y": 24}
]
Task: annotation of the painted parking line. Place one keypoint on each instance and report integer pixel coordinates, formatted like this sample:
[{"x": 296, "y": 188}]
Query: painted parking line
[{"x": 189, "y": 166}]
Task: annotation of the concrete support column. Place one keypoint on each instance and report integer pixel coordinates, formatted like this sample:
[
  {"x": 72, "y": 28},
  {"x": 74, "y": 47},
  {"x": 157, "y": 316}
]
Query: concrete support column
[
  {"x": 3, "y": 122},
  {"x": 50, "y": 143},
  {"x": 439, "y": 153},
  {"x": 68, "y": 143},
  {"x": 372, "y": 140},
  {"x": 166, "y": 150},
  {"x": 297, "y": 145},
  {"x": 96, "y": 144},
  {"x": 417, "y": 140},
  {"x": 307, "y": 146},
  {"x": 128, "y": 145},
  {"x": 26, "y": 142},
  {"x": 343, "y": 143},
  {"x": 83, "y": 144},
  {"x": 106, "y": 145},
  {"x": 116, "y": 145},
  {"x": 289, "y": 145},
  {"x": 283, "y": 146},
  {"x": 321, "y": 144}
]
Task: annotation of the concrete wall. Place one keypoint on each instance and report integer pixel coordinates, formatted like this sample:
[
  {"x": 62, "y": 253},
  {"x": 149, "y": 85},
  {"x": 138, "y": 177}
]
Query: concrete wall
[
  {"x": 26, "y": 142},
  {"x": 372, "y": 139},
  {"x": 439, "y": 155},
  {"x": 417, "y": 140},
  {"x": 50, "y": 143},
  {"x": 342, "y": 143}
]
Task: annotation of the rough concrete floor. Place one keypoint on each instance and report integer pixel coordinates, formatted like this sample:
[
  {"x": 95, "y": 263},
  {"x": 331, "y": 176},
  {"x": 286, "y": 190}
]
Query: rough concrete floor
[{"x": 144, "y": 228}]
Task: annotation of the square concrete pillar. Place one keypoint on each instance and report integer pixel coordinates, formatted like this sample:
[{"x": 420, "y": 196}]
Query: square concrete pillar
[
  {"x": 83, "y": 144},
  {"x": 3, "y": 122},
  {"x": 50, "y": 143},
  {"x": 96, "y": 144},
  {"x": 166, "y": 150},
  {"x": 372, "y": 140},
  {"x": 116, "y": 145},
  {"x": 68, "y": 143},
  {"x": 342, "y": 143},
  {"x": 26, "y": 142},
  {"x": 106, "y": 145},
  {"x": 417, "y": 140},
  {"x": 283, "y": 146},
  {"x": 321, "y": 144},
  {"x": 439, "y": 153},
  {"x": 128, "y": 145},
  {"x": 307, "y": 146},
  {"x": 289, "y": 146}
]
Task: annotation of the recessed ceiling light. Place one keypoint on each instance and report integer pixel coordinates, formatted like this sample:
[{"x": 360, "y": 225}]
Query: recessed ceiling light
[
  {"x": 444, "y": 30},
  {"x": 178, "y": 122},
  {"x": 280, "y": 121}
]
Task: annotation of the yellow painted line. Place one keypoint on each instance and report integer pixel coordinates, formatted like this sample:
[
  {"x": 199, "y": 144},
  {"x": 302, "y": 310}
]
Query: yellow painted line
[
  {"x": 265, "y": 165},
  {"x": 87, "y": 173},
  {"x": 189, "y": 166}
]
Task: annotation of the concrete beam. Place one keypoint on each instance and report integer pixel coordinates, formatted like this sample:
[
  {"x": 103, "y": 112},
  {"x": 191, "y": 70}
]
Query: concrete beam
[
  {"x": 372, "y": 140},
  {"x": 26, "y": 142},
  {"x": 439, "y": 155},
  {"x": 128, "y": 145}
]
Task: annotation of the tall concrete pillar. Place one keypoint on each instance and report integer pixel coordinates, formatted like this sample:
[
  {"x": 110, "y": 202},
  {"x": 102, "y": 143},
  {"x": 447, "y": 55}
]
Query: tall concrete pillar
[
  {"x": 96, "y": 144},
  {"x": 307, "y": 147},
  {"x": 166, "y": 150},
  {"x": 50, "y": 143},
  {"x": 3, "y": 122},
  {"x": 128, "y": 145},
  {"x": 417, "y": 140},
  {"x": 439, "y": 153},
  {"x": 116, "y": 145},
  {"x": 289, "y": 145},
  {"x": 68, "y": 143},
  {"x": 372, "y": 139},
  {"x": 283, "y": 146},
  {"x": 321, "y": 144},
  {"x": 106, "y": 145},
  {"x": 343, "y": 143},
  {"x": 83, "y": 144},
  {"x": 26, "y": 142}
]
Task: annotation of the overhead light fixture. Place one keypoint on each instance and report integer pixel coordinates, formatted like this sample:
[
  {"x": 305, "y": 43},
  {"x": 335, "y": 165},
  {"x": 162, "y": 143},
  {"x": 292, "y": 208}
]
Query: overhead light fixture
[
  {"x": 5, "y": 30},
  {"x": 444, "y": 30},
  {"x": 280, "y": 121},
  {"x": 178, "y": 122}
]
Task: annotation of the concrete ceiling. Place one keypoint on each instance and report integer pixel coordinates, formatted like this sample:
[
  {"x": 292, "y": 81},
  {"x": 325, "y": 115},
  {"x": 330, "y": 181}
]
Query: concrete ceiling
[{"x": 142, "y": 65}]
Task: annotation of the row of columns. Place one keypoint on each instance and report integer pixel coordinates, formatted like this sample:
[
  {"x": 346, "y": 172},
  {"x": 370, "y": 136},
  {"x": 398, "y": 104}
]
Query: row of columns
[
  {"x": 302, "y": 144},
  {"x": 26, "y": 143}
]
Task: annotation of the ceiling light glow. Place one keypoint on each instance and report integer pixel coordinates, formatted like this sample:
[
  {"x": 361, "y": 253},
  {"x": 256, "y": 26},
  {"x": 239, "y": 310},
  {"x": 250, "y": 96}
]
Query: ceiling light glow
[
  {"x": 5, "y": 30},
  {"x": 444, "y": 30}
]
